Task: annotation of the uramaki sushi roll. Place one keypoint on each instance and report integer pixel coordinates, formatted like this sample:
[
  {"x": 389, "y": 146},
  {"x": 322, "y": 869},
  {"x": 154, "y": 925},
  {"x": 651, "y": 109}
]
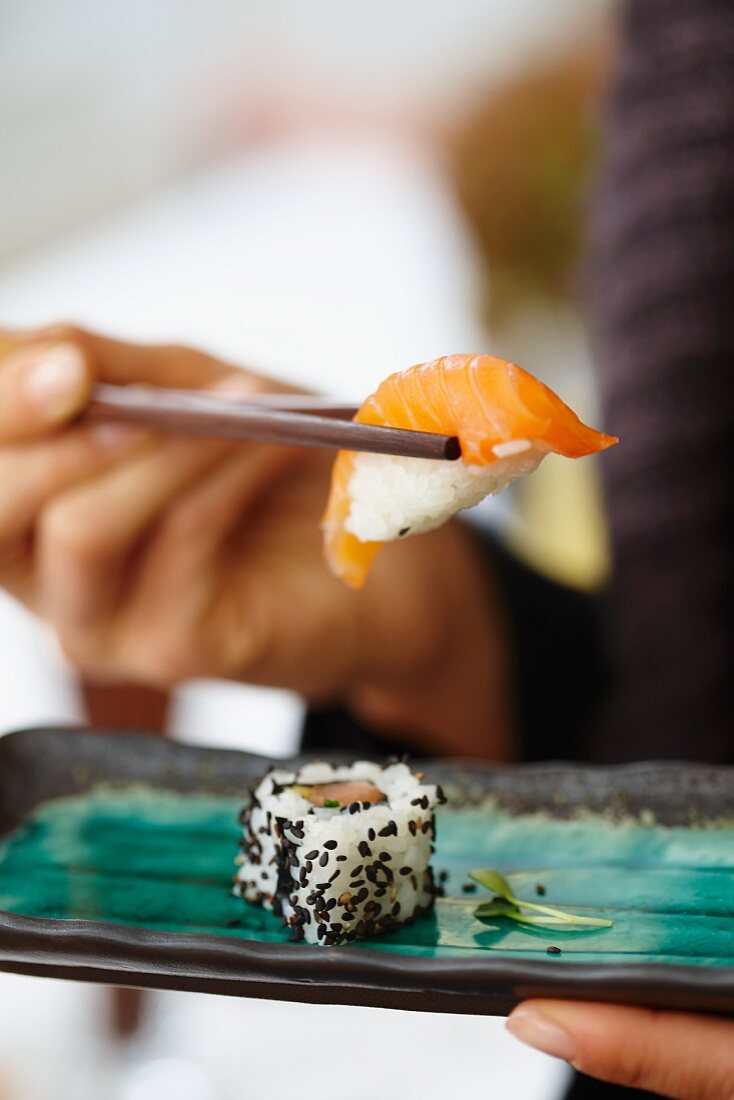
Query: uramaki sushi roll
[{"x": 340, "y": 852}]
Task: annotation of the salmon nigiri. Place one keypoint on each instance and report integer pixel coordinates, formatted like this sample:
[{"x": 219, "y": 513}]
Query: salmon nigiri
[{"x": 506, "y": 421}]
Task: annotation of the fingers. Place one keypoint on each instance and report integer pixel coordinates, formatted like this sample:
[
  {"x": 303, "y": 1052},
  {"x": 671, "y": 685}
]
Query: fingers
[
  {"x": 120, "y": 362},
  {"x": 42, "y": 387},
  {"x": 46, "y": 375},
  {"x": 32, "y": 474},
  {"x": 87, "y": 536},
  {"x": 162, "y": 635},
  {"x": 675, "y": 1054}
]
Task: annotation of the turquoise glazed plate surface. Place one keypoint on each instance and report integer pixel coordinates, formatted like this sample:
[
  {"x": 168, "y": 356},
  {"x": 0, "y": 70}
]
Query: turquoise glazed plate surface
[{"x": 116, "y": 858}]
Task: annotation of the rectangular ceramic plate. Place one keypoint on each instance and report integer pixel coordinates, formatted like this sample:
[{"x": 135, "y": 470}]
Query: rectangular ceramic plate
[{"x": 116, "y": 861}]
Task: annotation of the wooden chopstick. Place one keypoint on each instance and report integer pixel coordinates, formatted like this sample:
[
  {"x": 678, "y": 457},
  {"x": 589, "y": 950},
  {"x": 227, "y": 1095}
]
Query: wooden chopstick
[
  {"x": 281, "y": 402},
  {"x": 192, "y": 413},
  {"x": 301, "y": 402}
]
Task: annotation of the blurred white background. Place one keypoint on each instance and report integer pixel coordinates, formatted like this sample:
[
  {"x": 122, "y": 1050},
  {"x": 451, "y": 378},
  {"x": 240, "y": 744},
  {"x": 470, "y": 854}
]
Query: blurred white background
[{"x": 251, "y": 176}]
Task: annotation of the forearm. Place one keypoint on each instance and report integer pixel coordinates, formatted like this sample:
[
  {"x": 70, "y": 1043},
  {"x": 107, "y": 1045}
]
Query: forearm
[
  {"x": 439, "y": 671},
  {"x": 513, "y": 669}
]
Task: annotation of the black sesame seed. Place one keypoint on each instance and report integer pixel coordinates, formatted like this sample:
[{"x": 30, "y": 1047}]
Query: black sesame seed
[
  {"x": 336, "y": 927},
  {"x": 323, "y": 885},
  {"x": 553, "y": 950},
  {"x": 309, "y": 866},
  {"x": 321, "y": 931},
  {"x": 329, "y": 939},
  {"x": 440, "y": 795},
  {"x": 371, "y": 833},
  {"x": 357, "y": 870},
  {"x": 335, "y": 875},
  {"x": 354, "y": 807},
  {"x": 396, "y": 909},
  {"x": 355, "y": 885},
  {"x": 330, "y": 844},
  {"x": 405, "y": 870},
  {"x": 341, "y": 859},
  {"x": 413, "y": 827},
  {"x": 384, "y": 857},
  {"x": 364, "y": 849},
  {"x": 323, "y": 859},
  {"x": 403, "y": 532},
  {"x": 313, "y": 854},
  {"x": 363, "y": 893},
  {"x": 416, "y": 801}
]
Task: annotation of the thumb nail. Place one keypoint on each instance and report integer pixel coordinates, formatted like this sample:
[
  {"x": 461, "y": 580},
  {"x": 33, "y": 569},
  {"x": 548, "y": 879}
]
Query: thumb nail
[
  {"x": 537, "y": 1030},
  {"x": 54, "y": 380}
]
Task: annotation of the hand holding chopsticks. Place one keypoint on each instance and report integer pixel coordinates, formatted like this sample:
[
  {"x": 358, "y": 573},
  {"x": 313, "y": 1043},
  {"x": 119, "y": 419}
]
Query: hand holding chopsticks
[
  {"x": 169, "y": 558},
  {"x": 288, "y": 420}
]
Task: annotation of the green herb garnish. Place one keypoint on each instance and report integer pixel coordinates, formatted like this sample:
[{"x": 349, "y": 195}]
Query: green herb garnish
[
  {"x": 505, "y": 904},
  {"x": 331, "y": 803}
]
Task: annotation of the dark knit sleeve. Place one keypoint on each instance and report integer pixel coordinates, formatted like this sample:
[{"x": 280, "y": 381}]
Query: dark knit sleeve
[{"x": 664, "y": 310}]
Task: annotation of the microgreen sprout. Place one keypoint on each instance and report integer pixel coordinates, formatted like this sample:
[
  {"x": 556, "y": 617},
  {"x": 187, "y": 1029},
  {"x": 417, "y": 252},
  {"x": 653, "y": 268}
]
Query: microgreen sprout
[{"x": 505, "y": 904}]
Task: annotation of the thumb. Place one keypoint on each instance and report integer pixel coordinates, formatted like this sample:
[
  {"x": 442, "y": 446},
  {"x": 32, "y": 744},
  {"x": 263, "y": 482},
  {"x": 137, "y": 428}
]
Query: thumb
[
  {"x": 42, "y": 386},
  {"x": 675, "y": 1054}
]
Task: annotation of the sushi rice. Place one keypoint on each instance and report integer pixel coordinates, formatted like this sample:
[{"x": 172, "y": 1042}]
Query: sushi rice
[
  {"x": 336, "y": 873},
  {"x": 393, "y": 497}
]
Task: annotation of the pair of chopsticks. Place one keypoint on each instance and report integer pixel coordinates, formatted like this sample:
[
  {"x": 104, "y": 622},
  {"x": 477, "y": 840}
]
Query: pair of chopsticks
[{"x": 293, "y": 420}]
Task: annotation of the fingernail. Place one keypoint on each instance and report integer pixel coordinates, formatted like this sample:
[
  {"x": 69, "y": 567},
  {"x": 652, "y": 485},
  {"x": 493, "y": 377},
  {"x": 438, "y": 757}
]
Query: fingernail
[
  {"x": 53, "y": 378},
  {"x": 114, "y": 437},
  {"x": 539, "y": 1031}
]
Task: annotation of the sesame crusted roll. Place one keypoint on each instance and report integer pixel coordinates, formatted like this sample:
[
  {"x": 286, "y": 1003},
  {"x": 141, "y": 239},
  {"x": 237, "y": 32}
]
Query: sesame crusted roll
[{"x": 339, "y": 852}]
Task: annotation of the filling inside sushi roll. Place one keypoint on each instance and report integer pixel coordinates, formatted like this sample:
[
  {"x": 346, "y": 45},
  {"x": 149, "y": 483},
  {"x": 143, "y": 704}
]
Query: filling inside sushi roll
[
  {"x": 342, "y": 794},
  {"x": 339, "y": 852}
]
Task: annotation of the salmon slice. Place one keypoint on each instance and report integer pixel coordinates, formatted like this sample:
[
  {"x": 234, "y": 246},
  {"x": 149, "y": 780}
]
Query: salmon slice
[{"x": 501, "y": 414}]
